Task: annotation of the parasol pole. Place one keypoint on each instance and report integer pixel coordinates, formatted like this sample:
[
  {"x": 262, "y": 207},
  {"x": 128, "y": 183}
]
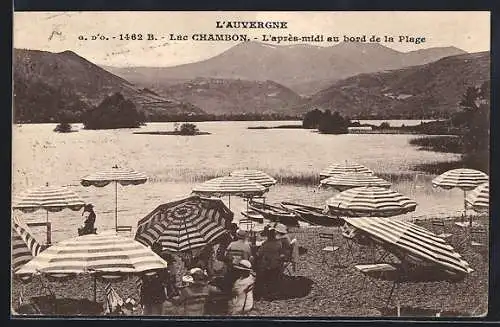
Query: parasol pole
[
  {"x": 229, "y": 201},
  {"x": 95, "y": 289},
  {"x": 116, "y": 206}
]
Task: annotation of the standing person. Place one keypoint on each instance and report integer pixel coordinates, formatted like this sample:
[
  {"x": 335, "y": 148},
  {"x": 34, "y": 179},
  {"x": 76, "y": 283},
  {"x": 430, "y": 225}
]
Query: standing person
[
  {"x": 152, "y": 293},
  {"x": 171, "y": 276},
  {"x": 270, "y": 255},
  {"x": 225, "y": 240},
  {"x": 282, "y": 235},
  {"x": 239, "y": 249},
  {"x": 88, "y": 224},
  {"x": 242, "y": 292}
]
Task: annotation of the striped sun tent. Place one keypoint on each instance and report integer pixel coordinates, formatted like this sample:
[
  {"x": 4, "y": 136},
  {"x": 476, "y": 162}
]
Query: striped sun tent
[
  {"x": 122, "y": 176},
  {"x": 463, "y": 178},
  {"x": 24, "y": 245},
  {"x": 346, "y": 181},
  {"x": 479, "y": 198},
  {"x": 100, "y": 253},
  {"x": 343, "y": 168},
  {"x": 184, "y": 225},
  {"x": 256, "y": 176},
  {"x": 370, "y": 201},
  {"x": 50, "y": 198},
  {"x": 230, "y": 185},
  {"x": 417, "y": 244}
]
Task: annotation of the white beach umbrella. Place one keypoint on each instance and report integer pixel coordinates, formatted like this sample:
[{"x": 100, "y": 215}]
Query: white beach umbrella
[
  {"x": 230, "y": 185},
  {"x": 370, "y": 201},
  {"x": 256, "y": 176},
  {"x": 415, "y": 243},
  {"x": 23, "y": 245},
  {"x": 479, "y": 198},
  {"x": 346, "y": 181},
  {"x": 346, "y": 167},
  {"x": 116, "y": 175},
  {"x": 463, "y": 178}
]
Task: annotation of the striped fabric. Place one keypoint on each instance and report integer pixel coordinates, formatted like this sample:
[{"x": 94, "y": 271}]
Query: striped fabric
[
  {"x": 105, "y": 254},
  {"x": 123, "y": 176},
  {"x": 343, "y": 168},
  {"x": 24, "y": 245},
  {"x": 346, "y": 181},
  {"x": 50, "y": 198},
  {"x": 230, "y": 185},
  {"x": 370, "y": 201},
  {"x": 479, "y": 198},
  {"x": 114, "y": 302},
  {"x": 256, "y": 176},
  {"x": 416, "y": 243},
  {"x": 463, "y": 178},
  {"x": 184, "y": 225}
]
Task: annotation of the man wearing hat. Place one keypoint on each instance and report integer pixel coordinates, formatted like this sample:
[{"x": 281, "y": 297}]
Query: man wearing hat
[
  {"x": 282, "y": 235},
  {"x": 242, "y": 291}
]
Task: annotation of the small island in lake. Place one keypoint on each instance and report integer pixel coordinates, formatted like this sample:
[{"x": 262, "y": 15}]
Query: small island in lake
[{"x": 186, "y": 129}]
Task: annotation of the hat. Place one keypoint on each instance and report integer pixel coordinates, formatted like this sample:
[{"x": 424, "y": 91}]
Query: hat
[
  {"x": 241, "y": 233},
  {"x": 243, "y": 265},
  {"x": 197, "y": 274},
  {"x": 188, "y": 279},
  {"x": 89, "y": 206},
  {"x": 280, "y": 228}
]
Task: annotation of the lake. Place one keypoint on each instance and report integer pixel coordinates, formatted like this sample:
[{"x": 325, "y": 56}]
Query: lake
[{"x": 174, "y": 164}]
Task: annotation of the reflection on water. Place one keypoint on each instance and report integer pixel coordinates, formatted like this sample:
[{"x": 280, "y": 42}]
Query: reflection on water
[{"x": 175, "y": 164}]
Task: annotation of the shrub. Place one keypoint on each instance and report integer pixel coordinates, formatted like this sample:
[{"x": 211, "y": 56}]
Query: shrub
[{"x": 188, "y": 129}]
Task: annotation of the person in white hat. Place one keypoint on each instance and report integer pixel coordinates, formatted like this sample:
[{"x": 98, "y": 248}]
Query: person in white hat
[
  {"x": 242, "y": 292},
  {"x": 282, "y": 235}
]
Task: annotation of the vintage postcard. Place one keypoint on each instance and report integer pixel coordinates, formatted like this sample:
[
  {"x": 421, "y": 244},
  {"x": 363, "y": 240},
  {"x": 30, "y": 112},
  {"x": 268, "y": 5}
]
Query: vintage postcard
[{"x": 258, "y": 164}]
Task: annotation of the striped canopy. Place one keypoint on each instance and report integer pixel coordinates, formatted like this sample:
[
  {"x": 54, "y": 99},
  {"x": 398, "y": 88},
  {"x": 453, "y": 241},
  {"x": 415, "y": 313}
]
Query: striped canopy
[
  {"x": 24, "y": 245},
  {"x": 184, "y": 225},
  {"x": 230, "y": 185},
  {"x": 256, "y": 176},
  {"x": 342, "y": 168},
  {"x": 50, "y": 198},
  {"x": 100, "y": 253},
  {"x": 122, "y": 176},
  {"x": 346, "y": 181},
  {"x": 417, "y": 244},
  {"x": 463, "y": 178},
  {"x": 370, "y": 201},
  {"x": 479, "y": 198}
]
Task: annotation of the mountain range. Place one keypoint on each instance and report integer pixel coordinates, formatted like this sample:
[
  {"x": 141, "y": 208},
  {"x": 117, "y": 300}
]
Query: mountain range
[
  {"x": 304, "y": 68},
  {"x": 430, "y": 90},
  {"x": 47, "y": 83}
]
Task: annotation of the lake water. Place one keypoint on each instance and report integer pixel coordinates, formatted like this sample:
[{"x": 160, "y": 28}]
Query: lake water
[{"x": 174, "y": 164}]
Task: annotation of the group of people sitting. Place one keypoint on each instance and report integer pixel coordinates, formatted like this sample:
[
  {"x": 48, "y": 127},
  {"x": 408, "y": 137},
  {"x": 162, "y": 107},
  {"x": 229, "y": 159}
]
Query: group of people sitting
[{"x": 222, "y": 279}]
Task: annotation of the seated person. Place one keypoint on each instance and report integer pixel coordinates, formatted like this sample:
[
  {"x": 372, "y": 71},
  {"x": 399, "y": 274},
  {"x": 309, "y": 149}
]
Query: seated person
[
  {"x": 88, "y": 224},
  {"x": 195, "y": 295},
  {"x": 270, "y": 264},
  {"x": 242, "y": 292},
  {"x": 282, "y": 235}
]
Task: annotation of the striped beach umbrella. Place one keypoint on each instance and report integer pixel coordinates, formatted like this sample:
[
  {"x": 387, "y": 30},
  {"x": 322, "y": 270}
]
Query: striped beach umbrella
[
  {"x": 116, "y": 175},
  {"x": 412, "y": 243},
  {"x": 462, "y": 178},
  {"x": 184, "y": 225},
  {"x": 346, "y": 181},
  {"x": 105, "y": 254},
  {"x": 370, "y": 201},
  {"x": 342, "y": 168},
  {"x": 48, "y": 198},
  {"x": 24, "y": 245},
  {"x": 256, "y": 176},
  {"x": 230, "y": 185},
  {"x": 479, "y": 198}
]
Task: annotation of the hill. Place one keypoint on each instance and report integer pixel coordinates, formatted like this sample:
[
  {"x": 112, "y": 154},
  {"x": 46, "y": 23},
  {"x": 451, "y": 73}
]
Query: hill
[
  {"x": 304, "y": 68},
  {"x": 230, "y": 96},
  {"x": 426, "y": 91},
  {"x": 46, "y": 84}
]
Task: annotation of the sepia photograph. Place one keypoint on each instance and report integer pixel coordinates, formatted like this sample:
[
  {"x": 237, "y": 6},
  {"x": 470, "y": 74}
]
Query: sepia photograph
[{"x": 175, "y": 164}]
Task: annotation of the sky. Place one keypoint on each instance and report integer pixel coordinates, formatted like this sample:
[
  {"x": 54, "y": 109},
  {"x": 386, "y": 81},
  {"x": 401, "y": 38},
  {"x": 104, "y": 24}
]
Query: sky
[{"x": 60, "y": 31}]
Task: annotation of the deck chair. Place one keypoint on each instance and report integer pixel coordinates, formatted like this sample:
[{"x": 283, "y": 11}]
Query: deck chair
[
  {"x": 290, "y": 263},
  {"x": 379, "y": 271},
  {"x": 124, "y": 229},
  {"x": 247, "y": 290},
  {"x": 479, "y": 240},
  {"x": 114, "y": 302},
  {"x": 440, "y": 228},
  {"x": 330, "y": 249}
]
